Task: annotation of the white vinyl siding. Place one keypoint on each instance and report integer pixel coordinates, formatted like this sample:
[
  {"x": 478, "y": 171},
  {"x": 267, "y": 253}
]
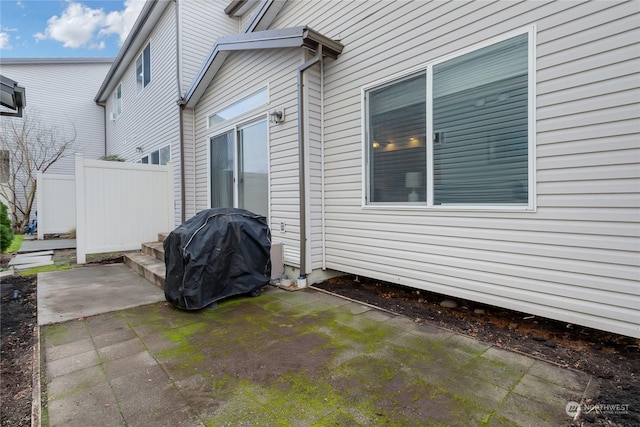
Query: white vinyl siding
[
  {"x": 576, "y": 257},
  {"x": 313, "y": 97},
  {"x": 202, "y": 22},
  {"x": 150, "y": 119},
  {"x": 46, "y": 82}
]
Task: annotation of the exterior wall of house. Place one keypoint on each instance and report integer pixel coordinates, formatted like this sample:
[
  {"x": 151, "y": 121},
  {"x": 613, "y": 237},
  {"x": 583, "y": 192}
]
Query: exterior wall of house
[
  {"x": 202, "y": 22},
  {"x": 150, "y": 117},
  {"x": 314, "y": 168},
  {"x": 575, "y": 257},
  {"x": 57, "y": 103}
]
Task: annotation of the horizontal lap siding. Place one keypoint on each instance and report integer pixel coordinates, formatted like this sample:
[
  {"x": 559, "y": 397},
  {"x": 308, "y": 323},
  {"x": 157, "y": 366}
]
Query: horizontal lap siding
[
  {"x": 150, "y": 118},
  {"x": 577, "y": 257},
  {"x": 236, "y": 79},
  {"x": 45, "y": 84},
  {"x": 202, "y": 22}
]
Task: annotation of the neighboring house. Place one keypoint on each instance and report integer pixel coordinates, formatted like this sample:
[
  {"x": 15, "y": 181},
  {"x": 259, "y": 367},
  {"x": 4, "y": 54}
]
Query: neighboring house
[
  {"x": 486, "y": 151},
  {"x": 59, "y": 93}
]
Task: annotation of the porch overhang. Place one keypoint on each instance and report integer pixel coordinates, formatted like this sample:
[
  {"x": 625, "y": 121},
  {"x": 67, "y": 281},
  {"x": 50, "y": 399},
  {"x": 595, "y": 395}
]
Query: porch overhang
[{"x": 271, "y": 39}]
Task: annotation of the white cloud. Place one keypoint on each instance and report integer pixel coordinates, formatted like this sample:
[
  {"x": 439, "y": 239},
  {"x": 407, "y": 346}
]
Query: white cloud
[
  {"x": 121, "y": 22},
  {"x": 4, "y": 41},
  {"x": 81, "y": 26},
  {"x": 75, "y": 27}
]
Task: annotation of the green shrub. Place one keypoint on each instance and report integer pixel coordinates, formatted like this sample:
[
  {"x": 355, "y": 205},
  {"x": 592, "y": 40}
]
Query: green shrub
[
  {"x": 6, "y": 230},
  {"x": 112, "y": 158}
]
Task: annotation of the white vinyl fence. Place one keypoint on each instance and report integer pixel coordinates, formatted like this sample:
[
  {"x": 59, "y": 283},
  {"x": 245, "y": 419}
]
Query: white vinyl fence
[
  {"x": 56, "y": 202},
  {"x": 117, "y": 205}
]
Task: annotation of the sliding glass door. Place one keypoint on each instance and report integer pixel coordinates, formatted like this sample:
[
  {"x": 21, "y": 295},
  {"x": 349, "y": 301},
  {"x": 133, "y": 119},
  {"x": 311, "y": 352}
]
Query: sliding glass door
[{"x": 239, "y": 168}]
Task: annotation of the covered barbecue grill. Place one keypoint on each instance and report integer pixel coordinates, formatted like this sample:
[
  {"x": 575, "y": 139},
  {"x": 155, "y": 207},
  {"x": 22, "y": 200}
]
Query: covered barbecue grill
[{"x": 216, "y": 254}]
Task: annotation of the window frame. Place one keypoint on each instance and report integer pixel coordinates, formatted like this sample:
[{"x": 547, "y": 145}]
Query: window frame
[
  {"x": 147, "y": 159},
  {"x": 427, "y": 69},
  {"x": 142, "y": 81},
  {"x": 237, "y": 103},
  {"x": 117, "y": 101},
  {"x": 234, "y": 125}
]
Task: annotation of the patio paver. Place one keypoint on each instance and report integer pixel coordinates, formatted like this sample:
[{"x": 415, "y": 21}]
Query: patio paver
[{"x": 300, "y": 358}]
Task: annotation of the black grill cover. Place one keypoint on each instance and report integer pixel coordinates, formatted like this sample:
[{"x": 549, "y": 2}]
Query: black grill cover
[{"x": 216, "y": 254}]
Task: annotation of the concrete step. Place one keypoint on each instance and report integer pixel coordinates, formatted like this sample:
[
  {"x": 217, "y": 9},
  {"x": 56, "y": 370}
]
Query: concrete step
[
  {"x": 147, "y": 266},
  {"x": 154, "y": 249}
]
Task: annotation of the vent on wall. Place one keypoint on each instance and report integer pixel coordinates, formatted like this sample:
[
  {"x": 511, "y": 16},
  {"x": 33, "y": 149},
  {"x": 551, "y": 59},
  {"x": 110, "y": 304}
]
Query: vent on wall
[{"x": 277, "y": 260}]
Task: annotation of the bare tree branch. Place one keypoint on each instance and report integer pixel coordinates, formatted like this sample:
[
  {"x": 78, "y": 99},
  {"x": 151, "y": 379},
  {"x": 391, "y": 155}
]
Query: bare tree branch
[{"x": 31, "y": 147}]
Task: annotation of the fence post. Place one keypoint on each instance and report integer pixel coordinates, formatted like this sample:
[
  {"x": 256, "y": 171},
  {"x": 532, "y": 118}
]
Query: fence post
[
  {"x": 40, "y": 203},
  {"x": 81, "y": 220},
  {"x": 170, "y": 198}
]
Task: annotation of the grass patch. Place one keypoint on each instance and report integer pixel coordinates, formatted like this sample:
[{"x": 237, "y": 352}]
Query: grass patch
[
  {"x": 43, "y": 269},
  {"x": 15, "y": 244}
]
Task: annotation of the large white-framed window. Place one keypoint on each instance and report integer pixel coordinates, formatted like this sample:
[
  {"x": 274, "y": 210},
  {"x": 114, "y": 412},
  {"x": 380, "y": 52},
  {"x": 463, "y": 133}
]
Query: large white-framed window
[
  {"x": 117, "y": 102},
  {"x": 239, "y": 167},
  {"x": 143, "y": 68},
  {"x": 456, "y": 132}
]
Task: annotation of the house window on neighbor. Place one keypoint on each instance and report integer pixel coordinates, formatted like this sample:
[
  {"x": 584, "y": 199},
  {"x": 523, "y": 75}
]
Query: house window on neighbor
[
  {"x": 117, "y": 102},
  {"x": 477, "y": 152},
  {"x": 4, "y": 166},
  {"x": 143, "y": 68},
  {"x": 242, "y": 106}
]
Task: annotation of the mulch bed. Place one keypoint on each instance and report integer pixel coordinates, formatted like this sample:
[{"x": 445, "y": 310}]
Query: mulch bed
[{"x": 18, "y": 320}]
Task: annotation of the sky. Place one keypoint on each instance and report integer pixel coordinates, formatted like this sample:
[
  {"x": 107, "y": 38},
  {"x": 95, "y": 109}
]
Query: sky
[{"x": 65, "y": 28}]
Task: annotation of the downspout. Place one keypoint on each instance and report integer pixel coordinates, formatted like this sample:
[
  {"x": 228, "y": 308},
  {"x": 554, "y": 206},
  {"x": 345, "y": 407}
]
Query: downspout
[
  {"x": 181, "y": 116},
  {"x": 104, "y": 128},
  {"x": 302, "y": 280},
  {"x": 322, "y": 199}
]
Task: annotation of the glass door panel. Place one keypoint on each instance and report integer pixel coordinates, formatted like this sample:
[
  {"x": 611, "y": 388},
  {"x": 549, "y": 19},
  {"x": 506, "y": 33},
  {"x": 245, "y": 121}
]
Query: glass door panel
[
  {"x": 253, "y": 187},
  {"x": 222, "y": 170}
]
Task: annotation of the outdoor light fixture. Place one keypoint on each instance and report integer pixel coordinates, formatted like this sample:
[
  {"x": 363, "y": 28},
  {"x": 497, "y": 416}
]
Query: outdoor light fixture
[
  {"x": 12, "y": 96},
  {"x": 276, "y": 117},
  {"x": 139, "y": 150}
]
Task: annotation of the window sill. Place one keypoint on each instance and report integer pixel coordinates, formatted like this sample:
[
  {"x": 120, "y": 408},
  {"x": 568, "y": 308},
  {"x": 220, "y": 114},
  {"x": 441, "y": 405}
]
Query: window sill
[{"x": 449, "y": 208}]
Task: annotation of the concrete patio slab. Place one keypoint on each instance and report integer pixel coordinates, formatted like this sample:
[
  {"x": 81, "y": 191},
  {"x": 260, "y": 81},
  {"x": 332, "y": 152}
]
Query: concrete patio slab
[
  {"x": 301, "y": 359},
  {"x": 87, "y": 291}
]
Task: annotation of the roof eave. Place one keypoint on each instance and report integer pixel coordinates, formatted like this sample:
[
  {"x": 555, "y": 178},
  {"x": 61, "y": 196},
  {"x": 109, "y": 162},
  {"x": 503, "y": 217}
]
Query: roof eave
[
  {"x": 56, "y": 61},
  {"x": 148, "y": 18}
]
